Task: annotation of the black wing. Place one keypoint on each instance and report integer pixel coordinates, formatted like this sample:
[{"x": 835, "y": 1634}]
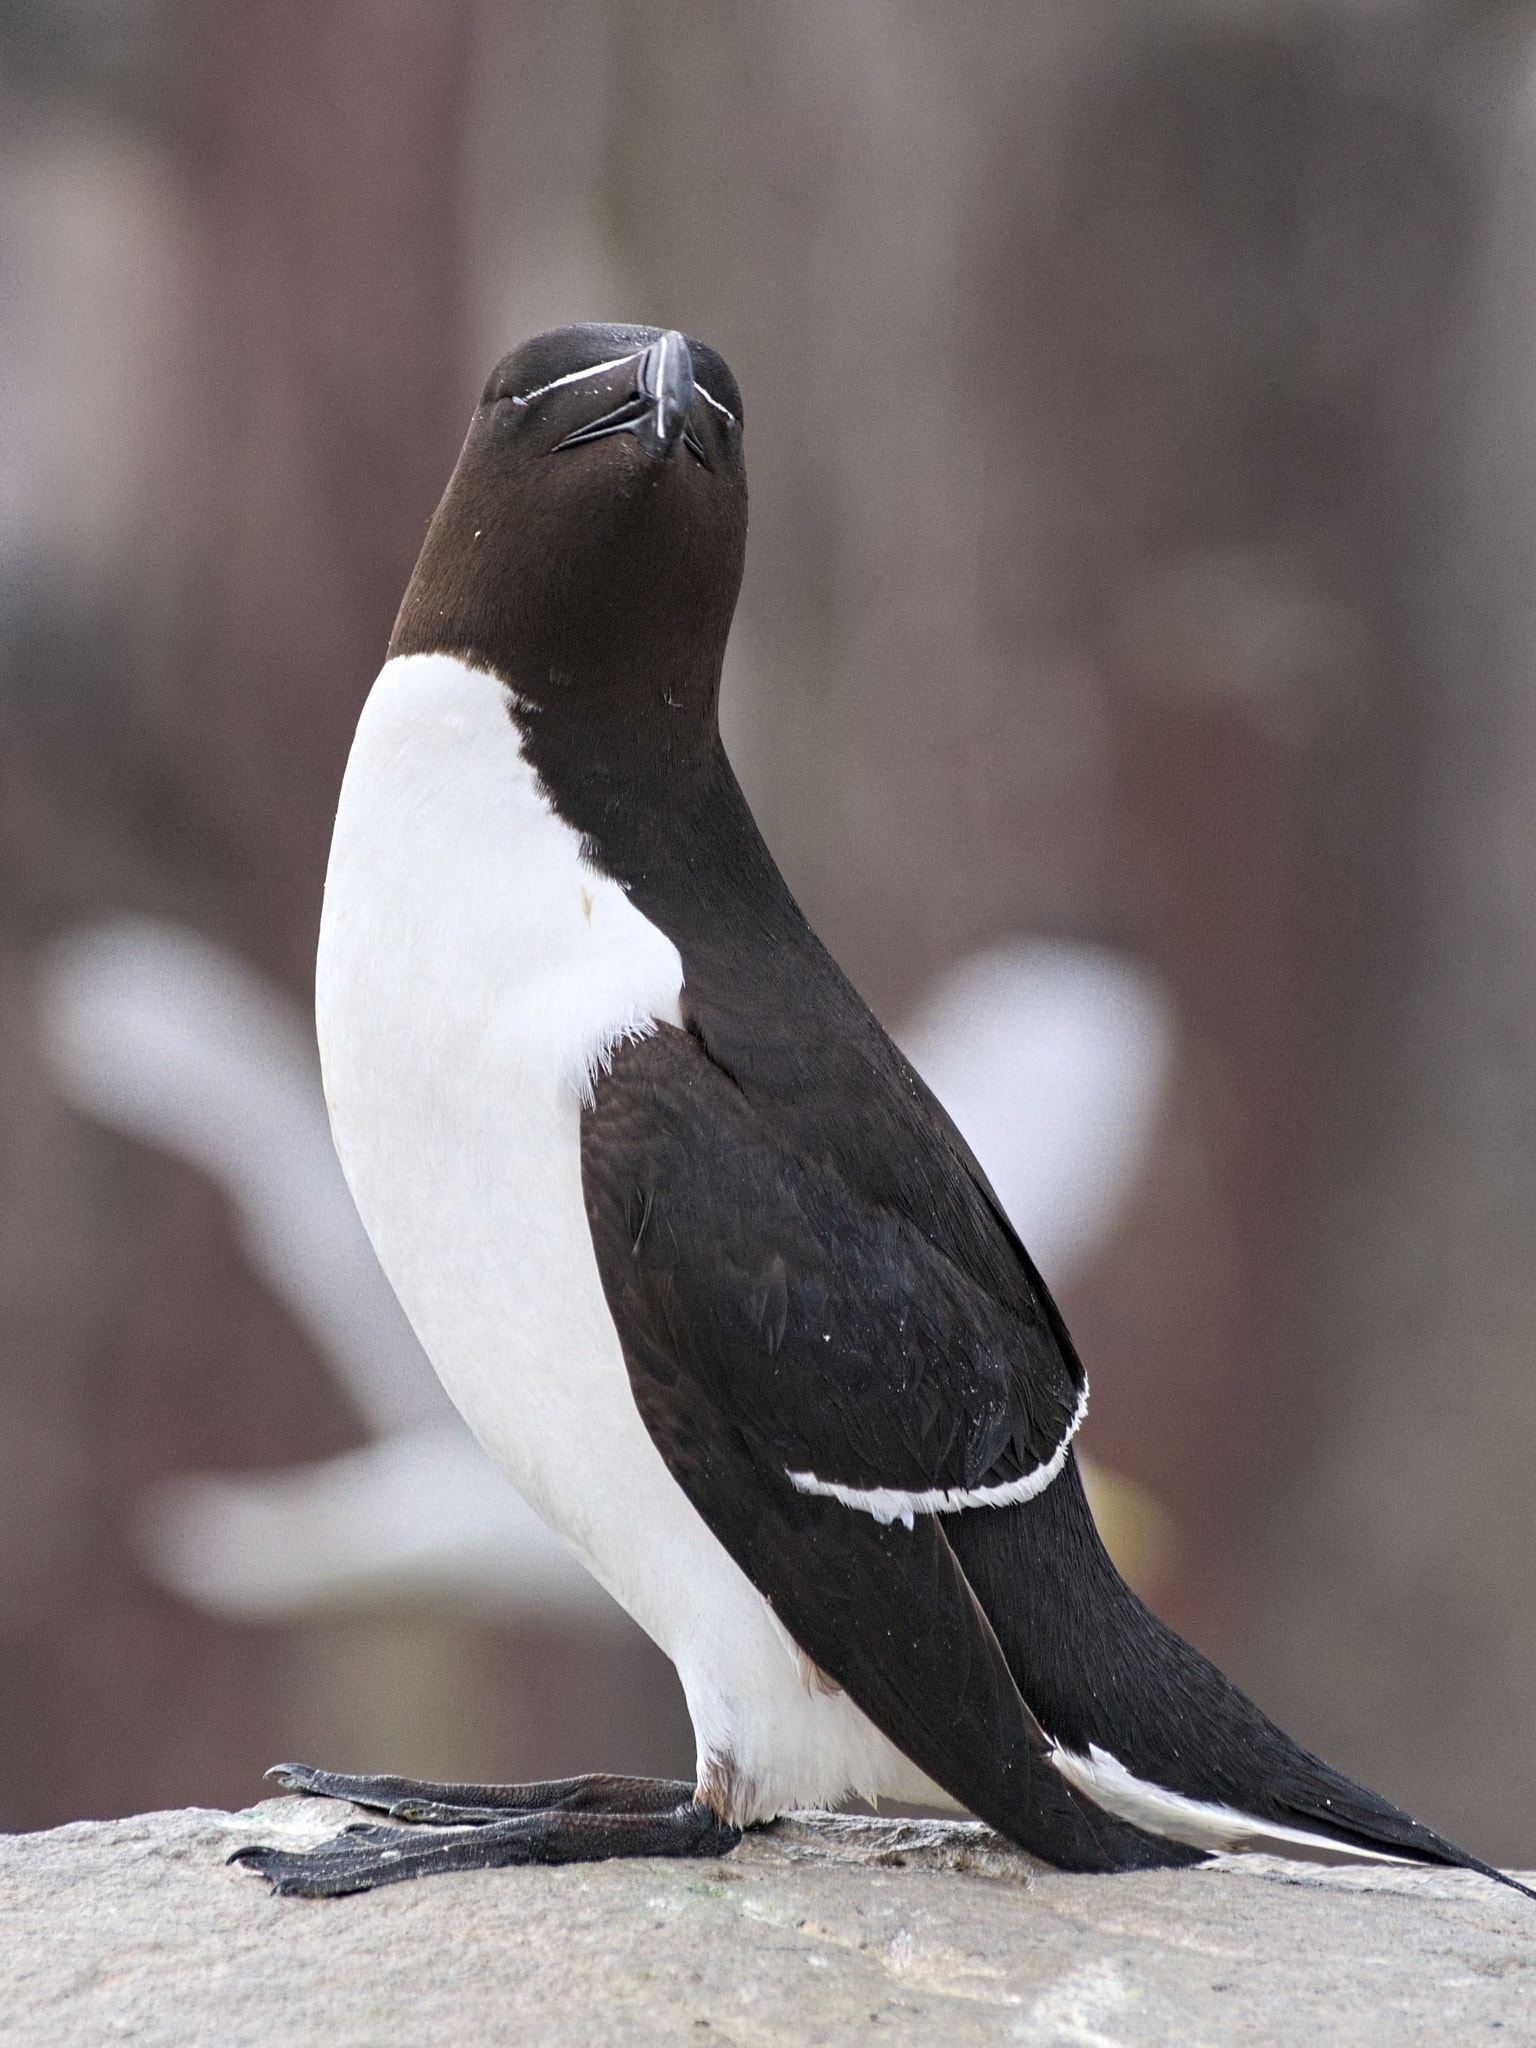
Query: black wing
[
  {"x": 858, "y": 1353},
  {"x": 773, "y": 1326}
]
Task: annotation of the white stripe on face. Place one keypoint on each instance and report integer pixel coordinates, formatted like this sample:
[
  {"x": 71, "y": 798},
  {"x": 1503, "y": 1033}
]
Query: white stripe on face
[{"x": 576, "y": 376}]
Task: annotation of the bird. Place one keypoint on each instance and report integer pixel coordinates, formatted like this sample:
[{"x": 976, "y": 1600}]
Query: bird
[
  {"x": 1051, "y": 1057},
  {"x": 701, "y": 1260}
]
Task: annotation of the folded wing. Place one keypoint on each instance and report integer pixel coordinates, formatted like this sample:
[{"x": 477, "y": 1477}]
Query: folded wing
[{"x": 821, "y": 1381}]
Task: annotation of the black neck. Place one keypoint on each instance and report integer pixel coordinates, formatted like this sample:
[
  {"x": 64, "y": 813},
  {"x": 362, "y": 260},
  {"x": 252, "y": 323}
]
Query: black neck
[{"x": 645, "y": 780}]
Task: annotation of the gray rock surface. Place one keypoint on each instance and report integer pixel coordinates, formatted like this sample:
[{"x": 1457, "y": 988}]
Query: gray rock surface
[{"x": 820, "y": 1930}]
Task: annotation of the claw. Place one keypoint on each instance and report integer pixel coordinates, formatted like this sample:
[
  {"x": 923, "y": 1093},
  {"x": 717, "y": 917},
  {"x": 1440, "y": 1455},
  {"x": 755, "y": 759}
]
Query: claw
[{"x": 296, "y": 1777}]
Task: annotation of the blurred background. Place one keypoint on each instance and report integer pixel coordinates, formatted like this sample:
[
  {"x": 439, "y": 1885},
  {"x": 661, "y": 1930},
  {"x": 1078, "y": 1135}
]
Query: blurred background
[{"x": 1135, "y": 677}]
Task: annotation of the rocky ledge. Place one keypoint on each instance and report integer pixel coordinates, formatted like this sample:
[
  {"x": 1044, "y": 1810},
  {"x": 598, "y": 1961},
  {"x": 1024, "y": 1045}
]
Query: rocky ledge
[{"x": 818, "y": 1930}]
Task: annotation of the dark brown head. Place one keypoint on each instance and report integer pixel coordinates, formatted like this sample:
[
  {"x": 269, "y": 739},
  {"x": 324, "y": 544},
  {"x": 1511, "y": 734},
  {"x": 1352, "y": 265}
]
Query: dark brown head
[{"x": 589, "y": 546}]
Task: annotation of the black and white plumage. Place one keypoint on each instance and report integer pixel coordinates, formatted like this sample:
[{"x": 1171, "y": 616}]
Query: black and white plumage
[{"x": 707, "y": 1268}]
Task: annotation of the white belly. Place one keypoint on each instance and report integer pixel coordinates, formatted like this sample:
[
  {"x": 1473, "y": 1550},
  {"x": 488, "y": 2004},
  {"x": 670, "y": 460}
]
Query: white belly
[{"x": 473, "y": 973}]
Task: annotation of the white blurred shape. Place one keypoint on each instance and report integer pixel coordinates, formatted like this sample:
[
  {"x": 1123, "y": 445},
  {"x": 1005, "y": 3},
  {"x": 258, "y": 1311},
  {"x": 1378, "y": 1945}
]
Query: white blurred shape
[
  {"x": 422, "y": 1514},
  {"x": 157, "y": 1033},
  {"x": 1053, "y": 1059}
]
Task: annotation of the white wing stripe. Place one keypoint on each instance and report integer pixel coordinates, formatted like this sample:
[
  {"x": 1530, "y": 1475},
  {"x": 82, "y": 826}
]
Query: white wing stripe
[
  {"x": 890, "y": 1504},
  {"x": 1202, "y": 1823}
]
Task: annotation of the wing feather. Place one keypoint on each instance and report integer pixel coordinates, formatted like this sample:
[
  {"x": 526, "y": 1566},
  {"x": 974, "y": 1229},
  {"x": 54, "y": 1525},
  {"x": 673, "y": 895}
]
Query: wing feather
[{"x": 857, "y": 1353}]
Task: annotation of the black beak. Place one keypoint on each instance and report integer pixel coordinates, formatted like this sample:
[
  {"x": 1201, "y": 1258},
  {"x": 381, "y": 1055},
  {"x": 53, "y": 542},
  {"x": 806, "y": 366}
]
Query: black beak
[
  {"x": 657, "y": 415},
  {"x": 665, "y": 377}
]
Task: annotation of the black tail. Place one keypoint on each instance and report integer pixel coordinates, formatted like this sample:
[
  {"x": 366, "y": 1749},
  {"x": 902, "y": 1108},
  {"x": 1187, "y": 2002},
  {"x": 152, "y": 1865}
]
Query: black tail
[{"x": 1113, "y": 1686}]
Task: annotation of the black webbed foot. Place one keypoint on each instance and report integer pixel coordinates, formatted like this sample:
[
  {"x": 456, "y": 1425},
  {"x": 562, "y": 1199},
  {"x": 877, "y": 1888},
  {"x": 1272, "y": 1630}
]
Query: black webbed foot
[{"x": 579, "y": 1820}]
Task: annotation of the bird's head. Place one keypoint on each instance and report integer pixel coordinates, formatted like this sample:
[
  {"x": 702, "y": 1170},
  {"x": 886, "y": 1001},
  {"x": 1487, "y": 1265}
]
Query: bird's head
[{"x": 589, "y": 546}]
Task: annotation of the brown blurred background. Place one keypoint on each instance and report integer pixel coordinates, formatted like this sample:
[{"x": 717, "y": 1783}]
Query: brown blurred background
[{"x": 1143, "y": 457}]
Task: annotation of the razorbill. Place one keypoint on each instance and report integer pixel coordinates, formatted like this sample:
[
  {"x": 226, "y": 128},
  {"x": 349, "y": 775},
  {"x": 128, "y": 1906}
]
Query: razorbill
[{"x": 707, "y": 1268}]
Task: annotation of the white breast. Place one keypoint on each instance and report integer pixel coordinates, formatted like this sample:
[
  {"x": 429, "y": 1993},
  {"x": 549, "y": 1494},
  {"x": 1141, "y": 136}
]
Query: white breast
[{"x": 473, "y": 974}]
